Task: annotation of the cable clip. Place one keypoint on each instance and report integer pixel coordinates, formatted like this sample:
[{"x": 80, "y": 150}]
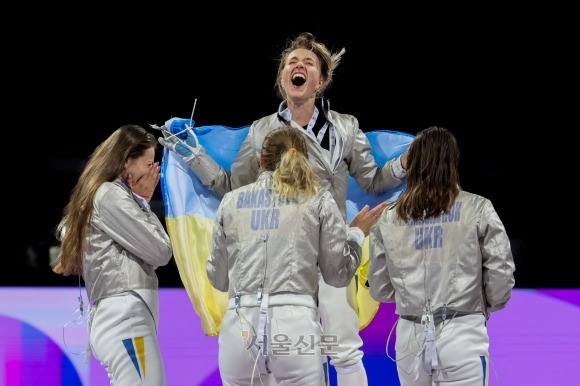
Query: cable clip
[
  {"x": 237, "y": 299},
  {"x": 426, "y": 319},
  {"x": 81, "y": 305}
]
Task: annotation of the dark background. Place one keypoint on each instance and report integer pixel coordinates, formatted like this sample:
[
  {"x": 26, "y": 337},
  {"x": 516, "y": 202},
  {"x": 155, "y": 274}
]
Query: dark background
[{"x": 492, "y": 78}]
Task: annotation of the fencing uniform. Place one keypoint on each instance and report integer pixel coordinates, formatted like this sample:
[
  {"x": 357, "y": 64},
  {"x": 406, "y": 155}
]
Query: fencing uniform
[
  {"x": 265, "y": 253},
  {"x": 445, "y": 274},
  {"x": 349, "y": 154},
  {"x": 123, "y": 337},
  {"x": 125, "y": 243}
]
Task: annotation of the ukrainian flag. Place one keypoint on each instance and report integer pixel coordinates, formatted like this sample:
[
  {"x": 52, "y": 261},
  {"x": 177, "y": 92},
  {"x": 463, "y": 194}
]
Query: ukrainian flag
[{"x": 190, "y": 212}]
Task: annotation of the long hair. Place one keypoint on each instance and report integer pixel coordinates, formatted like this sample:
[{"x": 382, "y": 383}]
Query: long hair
[
  {"x": 432, "y": 175},
  {"x": 284, "y": 151},
  {"x": 328, "y": 60},
  {"x": 106, "y": 163}
]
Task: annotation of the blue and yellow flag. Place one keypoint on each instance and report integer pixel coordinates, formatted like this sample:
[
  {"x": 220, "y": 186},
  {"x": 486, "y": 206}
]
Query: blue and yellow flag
[{"x": 190, "y": 212}]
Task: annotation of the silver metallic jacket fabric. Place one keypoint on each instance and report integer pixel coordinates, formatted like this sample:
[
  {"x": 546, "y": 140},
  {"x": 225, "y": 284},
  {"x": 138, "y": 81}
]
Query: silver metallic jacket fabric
[
  {"x": 126, "y": 242},
  {"x": 259, "y": 240},
  {"x": 352, "y": 156},
  {"x": 462, "y": 259}
]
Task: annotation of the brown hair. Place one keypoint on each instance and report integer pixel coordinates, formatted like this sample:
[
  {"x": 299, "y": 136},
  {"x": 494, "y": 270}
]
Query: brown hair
[
  {"x": 106, "y": 163},
  {"x": 432, "y": 175}
]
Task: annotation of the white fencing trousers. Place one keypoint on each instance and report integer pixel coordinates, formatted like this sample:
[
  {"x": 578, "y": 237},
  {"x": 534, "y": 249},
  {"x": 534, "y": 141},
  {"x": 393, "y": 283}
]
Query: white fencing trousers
[
  {"x": 292, "y": 342},
  {"x": 123, "y": 337},
  {"x": 461, "y": 350},
  {"x": 339, "y": 318}
]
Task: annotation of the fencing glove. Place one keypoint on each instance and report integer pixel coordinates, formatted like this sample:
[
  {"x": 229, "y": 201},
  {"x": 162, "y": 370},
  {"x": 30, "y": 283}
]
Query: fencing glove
[{"x": 179, "y": 137}]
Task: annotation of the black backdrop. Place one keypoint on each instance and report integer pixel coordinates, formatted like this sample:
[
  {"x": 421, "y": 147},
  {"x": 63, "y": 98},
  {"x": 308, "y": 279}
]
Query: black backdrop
[{"x": 489, "y": 80}]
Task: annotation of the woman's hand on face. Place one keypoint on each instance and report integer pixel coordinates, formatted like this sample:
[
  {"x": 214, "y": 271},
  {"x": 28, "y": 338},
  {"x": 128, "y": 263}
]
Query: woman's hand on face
[{"x": 146, "y": 184}]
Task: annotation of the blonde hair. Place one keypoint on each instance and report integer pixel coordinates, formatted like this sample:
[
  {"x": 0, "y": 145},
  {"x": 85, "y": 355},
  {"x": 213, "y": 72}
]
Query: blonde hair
[
  {"x": 328, "y": 60},
  {"x": 284, "y": 151}
]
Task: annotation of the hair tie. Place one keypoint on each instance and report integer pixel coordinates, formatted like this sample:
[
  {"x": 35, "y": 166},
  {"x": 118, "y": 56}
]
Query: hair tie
[{"x": 292, "y": 149}]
